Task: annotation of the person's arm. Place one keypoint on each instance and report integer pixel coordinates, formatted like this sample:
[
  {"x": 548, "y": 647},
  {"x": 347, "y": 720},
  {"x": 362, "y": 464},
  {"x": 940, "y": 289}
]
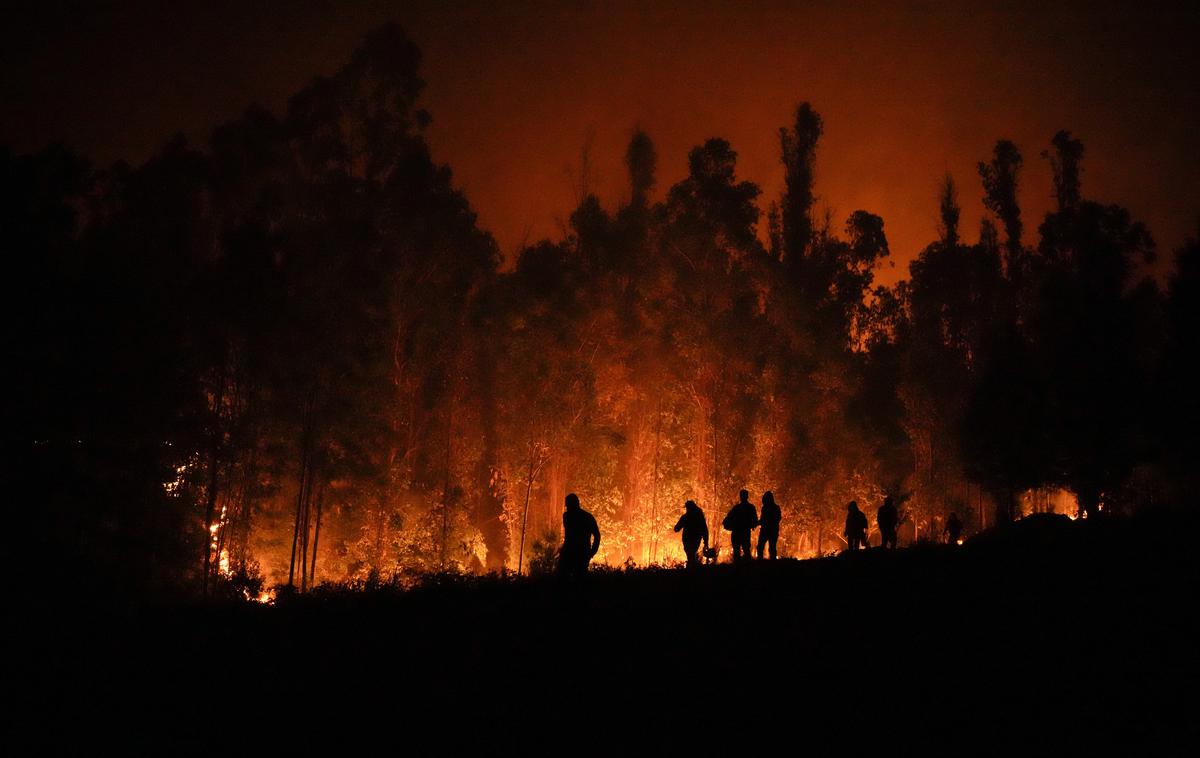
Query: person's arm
[
  {"x": 596, "y": 534},
  {"x": 679, "y": 523},
  {"x": 704, "y": 532}
]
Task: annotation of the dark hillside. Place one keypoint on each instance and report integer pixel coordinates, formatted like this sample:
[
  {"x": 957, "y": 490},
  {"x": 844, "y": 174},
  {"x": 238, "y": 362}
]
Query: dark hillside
[{"x": 1072, "y": 631}]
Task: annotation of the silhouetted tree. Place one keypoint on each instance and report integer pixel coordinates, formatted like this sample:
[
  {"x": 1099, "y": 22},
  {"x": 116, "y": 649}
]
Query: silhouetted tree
[
  {"x": 1001, "y": 178},
  {"x": 1085, "y": 327}
]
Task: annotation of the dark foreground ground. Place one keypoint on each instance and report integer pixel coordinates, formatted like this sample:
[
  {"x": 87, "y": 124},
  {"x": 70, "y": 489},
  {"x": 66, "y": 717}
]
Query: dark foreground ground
[{"x": 1049, "y": 638}]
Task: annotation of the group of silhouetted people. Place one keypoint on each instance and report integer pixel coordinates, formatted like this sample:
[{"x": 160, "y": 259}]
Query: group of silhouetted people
[
  {"x": 743, "y": 518},
  {"x": 887, "y": 518},
  {"x": 581, "y": 533}
]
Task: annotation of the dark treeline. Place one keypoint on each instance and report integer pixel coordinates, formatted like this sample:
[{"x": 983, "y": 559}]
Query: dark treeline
[{"x": 292, "y": 355}]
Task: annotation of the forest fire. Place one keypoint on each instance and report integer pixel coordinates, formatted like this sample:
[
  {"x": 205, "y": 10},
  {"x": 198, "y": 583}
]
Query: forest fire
[
  {"x": 839, "y": 402},
  {"x": 365, "y": 389}
]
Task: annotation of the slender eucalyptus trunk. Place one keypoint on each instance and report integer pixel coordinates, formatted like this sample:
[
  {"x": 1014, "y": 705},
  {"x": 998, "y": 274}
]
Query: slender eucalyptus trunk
[
  {"x": 214, "y": 454},
  {"x": 306, "y": 444},
  {"x": 525, "y": 514},
  {"x": 305, "y": 529},
  {"x": 654, "y": 485},
  {"x": 312, "y": 572},
  {"x": 296, "y": 526},
  {"x": 446, "y": 485}
]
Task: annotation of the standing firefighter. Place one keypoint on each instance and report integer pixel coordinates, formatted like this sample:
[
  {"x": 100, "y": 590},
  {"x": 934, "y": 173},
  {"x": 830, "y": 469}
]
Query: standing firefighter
[
  {"x": 954, "y": 527},
  {"x": 740, "y": 521},
  {"x": 768, "y": 533},
  {"x": 581, "y": 539},
  {"x": 695, "y": 530},
  {"x": 887, "y": 517},
  {"x": 856, "y": 527}
]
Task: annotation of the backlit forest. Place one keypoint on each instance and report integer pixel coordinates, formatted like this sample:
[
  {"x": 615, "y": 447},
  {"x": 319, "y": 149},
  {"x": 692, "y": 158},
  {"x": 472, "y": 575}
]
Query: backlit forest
[{"x": 291, "y": 355}]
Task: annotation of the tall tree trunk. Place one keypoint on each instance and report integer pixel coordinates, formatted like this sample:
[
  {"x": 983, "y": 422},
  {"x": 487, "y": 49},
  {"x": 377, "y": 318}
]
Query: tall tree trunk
[
  {"x": 446, "y": 483},
  {"x": 312, "y": 572},
  {"x": 296, "y": 526},
  {"x": 306, "y": 443},
  {"x": 525, "y": 514},
  {"x": 304, "y": 530},
  {"x": 214, "y": 454},
  {"x": 654, "y": 484}
]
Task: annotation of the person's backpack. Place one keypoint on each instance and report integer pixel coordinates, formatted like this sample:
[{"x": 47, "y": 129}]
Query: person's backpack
[{"x": 728, "y": 522}]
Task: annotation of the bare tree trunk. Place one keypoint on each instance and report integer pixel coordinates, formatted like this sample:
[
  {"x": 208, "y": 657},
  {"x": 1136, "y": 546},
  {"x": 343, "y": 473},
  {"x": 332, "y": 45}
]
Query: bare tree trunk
[
  {"x": 654, "y": 484},
  {"x": 312, "y": 572},
  {"x": 715, "y": 478},
  {"x": 525, "y": 514},
  {"x": 306, "y": 443},
  {"x": 446, "y": 483},
  {"x": 214, "y": 453},
  {"x": 296, "y": 525},
  {"x": 979, "y": 506},
  {"x": 312, "y": 478}
]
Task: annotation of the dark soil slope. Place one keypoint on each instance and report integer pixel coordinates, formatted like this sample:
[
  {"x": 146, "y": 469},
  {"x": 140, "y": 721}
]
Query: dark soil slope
[{"x": 1048, "y": 637}]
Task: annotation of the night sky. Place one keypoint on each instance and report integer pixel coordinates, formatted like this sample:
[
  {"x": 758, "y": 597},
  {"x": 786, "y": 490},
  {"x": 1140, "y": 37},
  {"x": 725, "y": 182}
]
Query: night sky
[{"x": 907, "y": 91}]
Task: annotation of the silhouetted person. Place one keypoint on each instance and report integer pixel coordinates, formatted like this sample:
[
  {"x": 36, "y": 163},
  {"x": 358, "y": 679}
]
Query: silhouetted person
[
  {"x": 953, "y": 529},
  {"x": 887, "y": 517},
  {"x": 856, "y": 527},
  {"x": 740, "y": 520},
  {"x": 579, "y": 529},
  {"x": 768, "y": 533},
  {"x": 695, "y": 531}
]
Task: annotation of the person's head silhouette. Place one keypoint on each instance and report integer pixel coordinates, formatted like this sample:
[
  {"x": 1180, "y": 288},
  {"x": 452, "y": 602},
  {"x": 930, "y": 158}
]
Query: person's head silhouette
[
  {"x": 887, "y": 501},
  {"x": 690, "y": 505},
  {"x": 768, "y": 498},
  {"x": 572, "y": 502},
  {"x": 744, "y": 495},
  {"x": 853, "y": 506}
]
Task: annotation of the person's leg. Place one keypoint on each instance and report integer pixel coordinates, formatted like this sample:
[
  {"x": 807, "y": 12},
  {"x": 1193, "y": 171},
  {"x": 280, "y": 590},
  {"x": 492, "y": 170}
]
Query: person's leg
[
  {"x": 762, "y": 539},
  {"x": 772, "y": 544}
]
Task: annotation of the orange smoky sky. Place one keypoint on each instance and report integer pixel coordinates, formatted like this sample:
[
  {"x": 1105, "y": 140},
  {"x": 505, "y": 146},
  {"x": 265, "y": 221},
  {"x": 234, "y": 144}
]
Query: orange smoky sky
[{"x": 908, "y": 92}]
